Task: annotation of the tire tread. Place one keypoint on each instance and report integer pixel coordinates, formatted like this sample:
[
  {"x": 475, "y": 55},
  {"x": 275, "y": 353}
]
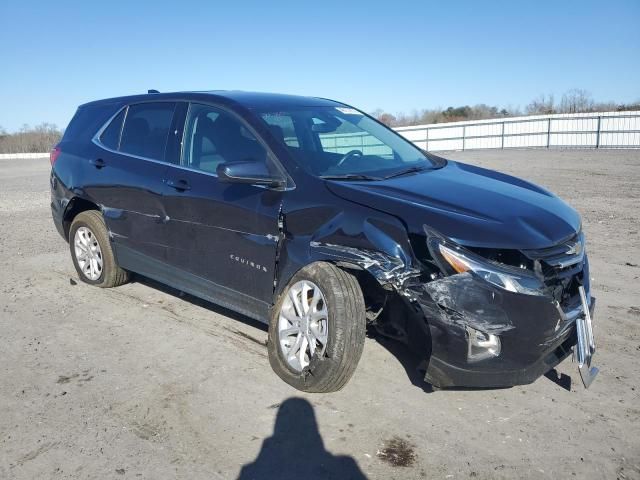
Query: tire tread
[{"x": 114, "y": 275}]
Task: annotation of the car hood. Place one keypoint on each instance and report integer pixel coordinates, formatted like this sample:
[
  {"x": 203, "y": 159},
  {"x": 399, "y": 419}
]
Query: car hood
[{"x": 473, "y": 206}]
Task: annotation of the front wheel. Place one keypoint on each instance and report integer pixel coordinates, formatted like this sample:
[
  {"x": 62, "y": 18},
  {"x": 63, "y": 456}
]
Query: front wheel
[{"x": 317, "y": 329}]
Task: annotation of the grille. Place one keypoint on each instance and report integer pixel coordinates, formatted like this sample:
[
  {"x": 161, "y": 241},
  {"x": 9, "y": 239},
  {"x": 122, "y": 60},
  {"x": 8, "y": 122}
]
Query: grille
[
  {"x": 560, "y": 261},
  {"x": 562, "y": 267}
]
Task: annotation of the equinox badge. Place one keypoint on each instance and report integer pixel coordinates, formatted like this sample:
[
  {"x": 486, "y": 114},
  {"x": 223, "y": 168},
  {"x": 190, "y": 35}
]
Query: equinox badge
[{"x": 248, "y": 263}]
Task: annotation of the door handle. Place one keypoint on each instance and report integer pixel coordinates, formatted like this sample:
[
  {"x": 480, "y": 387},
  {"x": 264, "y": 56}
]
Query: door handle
[
  {"x": 180, "y": 185},
  {"x": 98, "y": 163}
]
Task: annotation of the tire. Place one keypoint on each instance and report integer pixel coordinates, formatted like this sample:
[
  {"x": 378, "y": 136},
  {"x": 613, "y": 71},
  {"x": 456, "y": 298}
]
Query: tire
[
  {"x": 331, "y": 366},
  {"x": 109, "y": 274}
]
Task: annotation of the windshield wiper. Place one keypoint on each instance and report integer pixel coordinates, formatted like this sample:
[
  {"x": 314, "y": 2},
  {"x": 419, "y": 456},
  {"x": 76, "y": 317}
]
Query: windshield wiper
[
  {"x": 350, "y": 176},
  {"x": 405, "y": 172}
]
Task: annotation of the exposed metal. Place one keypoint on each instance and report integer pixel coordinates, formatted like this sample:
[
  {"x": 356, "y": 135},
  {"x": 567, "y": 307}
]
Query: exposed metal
[{"x": 586, "y": 344}]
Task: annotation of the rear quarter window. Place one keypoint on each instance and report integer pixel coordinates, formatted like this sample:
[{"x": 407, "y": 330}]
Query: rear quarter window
[
  {"x": 111, "y": 136},
  {"x": 87, "y": 121}
]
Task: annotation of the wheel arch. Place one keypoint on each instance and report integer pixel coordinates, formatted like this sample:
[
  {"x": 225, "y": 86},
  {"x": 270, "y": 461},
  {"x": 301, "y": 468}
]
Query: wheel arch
[
  {"x": 75, "y": 206},
  {"x": 376, "y": 280}
]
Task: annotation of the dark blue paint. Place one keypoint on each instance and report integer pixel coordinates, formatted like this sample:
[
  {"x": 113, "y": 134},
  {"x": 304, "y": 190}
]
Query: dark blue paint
[
  {"x": 239, "y": 244},
  {"x": 471, "y": 205}
]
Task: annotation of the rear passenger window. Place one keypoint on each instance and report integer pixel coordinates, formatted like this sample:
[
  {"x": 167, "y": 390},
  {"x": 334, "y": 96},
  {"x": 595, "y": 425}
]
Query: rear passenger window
[
  {"x": 146, "y": 129},
  {"x": 111, "y": 136}
]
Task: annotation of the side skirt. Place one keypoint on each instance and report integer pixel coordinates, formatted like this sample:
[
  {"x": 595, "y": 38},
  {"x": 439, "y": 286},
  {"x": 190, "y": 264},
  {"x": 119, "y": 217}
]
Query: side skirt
[{"x": 192, "y": 284}]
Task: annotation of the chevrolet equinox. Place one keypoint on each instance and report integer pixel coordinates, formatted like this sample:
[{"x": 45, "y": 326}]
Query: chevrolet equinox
[{"x": 311, "y": 216}]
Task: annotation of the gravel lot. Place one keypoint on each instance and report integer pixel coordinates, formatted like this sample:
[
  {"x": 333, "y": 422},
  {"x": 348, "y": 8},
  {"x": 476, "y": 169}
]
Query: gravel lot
[{"x": 142, "y": 382}]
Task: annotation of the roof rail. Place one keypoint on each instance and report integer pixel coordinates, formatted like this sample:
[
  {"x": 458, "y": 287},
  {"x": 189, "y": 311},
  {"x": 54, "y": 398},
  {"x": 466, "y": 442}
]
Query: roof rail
[{"x": 153, "y": 91}]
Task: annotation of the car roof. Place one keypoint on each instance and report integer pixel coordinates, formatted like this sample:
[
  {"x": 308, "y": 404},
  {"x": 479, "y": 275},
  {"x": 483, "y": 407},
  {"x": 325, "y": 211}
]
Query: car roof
[{"x": 250, "y": 100}]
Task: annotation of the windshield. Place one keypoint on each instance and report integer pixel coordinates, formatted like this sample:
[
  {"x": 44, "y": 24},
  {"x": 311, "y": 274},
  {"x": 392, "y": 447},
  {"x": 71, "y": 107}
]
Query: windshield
[{"x": 341, "y": 142}]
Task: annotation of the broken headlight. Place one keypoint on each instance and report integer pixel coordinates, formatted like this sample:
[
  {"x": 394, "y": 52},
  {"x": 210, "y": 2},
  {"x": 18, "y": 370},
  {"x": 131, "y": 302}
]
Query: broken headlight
[{"x": 456, "y": 259}]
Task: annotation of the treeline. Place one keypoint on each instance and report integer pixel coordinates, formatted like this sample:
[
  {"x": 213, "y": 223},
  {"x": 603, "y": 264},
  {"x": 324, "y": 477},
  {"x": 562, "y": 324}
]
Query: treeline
[
  {"x": 43, "y": 137},
  {"x": 573, "y": 101},
  {"x": 38, "y": 139}
]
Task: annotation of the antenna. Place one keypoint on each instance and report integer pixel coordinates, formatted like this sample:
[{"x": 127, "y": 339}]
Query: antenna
[{"x": 153, "y": 91}]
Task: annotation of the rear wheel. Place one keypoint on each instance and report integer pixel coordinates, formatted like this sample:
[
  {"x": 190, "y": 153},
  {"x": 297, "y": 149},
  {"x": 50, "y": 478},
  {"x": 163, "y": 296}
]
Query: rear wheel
[
  {"x": 91, "y": 251},
  {"x": 317, "y": 329}
]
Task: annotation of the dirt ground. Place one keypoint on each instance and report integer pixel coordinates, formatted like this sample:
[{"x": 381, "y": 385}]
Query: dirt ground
[{"x": 143, "y": 382}]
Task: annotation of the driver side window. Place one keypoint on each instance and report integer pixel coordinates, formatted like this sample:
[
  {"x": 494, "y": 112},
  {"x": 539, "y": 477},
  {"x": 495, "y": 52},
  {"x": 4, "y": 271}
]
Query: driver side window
[{"x": 213, "y": 136}]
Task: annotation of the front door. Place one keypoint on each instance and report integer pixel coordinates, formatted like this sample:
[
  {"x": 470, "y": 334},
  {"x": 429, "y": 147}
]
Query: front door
[{"x": 221, "y": 235}]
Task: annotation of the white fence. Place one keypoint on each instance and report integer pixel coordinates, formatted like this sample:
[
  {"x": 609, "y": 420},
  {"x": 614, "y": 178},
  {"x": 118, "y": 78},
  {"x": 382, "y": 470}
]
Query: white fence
[
  {"x": 579, "y": 130},
  {"x": 11, "y": 156}
]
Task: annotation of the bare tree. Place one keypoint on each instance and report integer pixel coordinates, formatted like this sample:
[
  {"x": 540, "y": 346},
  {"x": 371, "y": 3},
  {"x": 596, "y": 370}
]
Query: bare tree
[
  {"x": 37, "y": 139},
  {"x": 388, "y": 119},
  {"x": 576, "y": 101},
  {"x": 543, "y": 105}
]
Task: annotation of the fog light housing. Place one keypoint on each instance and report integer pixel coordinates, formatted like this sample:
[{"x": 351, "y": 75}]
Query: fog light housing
[{"x": 482, "y": 345}]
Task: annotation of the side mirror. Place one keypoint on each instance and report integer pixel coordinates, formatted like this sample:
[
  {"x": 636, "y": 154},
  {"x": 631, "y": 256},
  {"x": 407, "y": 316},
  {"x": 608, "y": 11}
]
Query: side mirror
[{"x": 250, "y": 172}]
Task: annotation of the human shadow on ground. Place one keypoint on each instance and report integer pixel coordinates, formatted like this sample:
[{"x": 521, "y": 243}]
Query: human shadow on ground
[{"x": 296, "y": 451}]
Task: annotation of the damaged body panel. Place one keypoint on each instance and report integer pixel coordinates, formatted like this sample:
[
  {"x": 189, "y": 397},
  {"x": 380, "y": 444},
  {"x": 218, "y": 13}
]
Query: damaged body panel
[
  {"x": 533, "y": 336},
  {"x": 484, "y": 275}
]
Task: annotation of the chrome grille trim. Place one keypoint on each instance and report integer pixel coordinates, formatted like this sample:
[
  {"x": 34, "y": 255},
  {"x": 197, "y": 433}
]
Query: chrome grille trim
[{"x": 563, "y": 255}]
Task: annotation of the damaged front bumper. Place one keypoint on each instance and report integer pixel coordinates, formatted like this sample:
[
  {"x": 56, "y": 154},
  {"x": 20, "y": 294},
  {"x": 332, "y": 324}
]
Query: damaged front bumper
[{"x": 524, "y": 336}]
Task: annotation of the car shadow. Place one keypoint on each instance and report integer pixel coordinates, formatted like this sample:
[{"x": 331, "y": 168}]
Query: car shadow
[
  {"x": 414, "y": 366},
  {"x": 212, "y": 307},
  {"x": 296, "y": 451},
  {"x": 561, "y": 379}
]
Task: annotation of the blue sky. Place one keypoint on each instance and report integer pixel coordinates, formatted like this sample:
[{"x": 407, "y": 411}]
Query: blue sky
[{"x": 397, "y": 56}]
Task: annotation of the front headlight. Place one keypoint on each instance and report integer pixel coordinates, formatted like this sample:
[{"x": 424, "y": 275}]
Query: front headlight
[{"x": 512, "y": 279}]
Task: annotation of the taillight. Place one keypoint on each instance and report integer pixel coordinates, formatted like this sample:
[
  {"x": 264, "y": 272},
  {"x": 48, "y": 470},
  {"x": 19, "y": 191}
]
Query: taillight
[{"x": 54, "y": 154}]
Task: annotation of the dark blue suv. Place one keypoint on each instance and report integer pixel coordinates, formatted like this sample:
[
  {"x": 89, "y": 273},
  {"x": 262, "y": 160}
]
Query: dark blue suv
[{"x": 313, "y": 217}]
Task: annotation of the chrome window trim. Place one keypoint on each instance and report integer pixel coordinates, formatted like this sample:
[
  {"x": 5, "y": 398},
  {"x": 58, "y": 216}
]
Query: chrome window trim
[
  {"x": 96, "y": 138},
  {"x": 138, "y": 157},
  {"x": 291, "y": 185},
  {"x": 97, "y": 142}
]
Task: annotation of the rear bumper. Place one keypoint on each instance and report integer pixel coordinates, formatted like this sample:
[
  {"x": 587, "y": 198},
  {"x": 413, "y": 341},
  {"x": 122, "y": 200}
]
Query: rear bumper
[
  {"x": 57, "y": 220},
  {"x": 57, "y": 207},
  {"x": 535, "y": 335}
]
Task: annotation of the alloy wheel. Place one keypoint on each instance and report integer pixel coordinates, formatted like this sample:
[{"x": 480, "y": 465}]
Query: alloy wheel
[
  {"x": 303, "y": 324},
  {"x": 88, "y": 253}
]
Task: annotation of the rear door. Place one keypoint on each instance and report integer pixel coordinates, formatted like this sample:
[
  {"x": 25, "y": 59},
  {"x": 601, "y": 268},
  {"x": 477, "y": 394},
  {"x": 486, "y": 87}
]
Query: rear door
[
  {"x": 222, "y": 235},
  {"x": 129, "y": 168}
]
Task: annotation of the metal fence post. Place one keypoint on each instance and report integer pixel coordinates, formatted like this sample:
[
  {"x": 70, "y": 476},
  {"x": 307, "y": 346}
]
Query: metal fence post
[
  {"x": 598, "y": 134},
  {"x": 502, "y": 137},
  {"x": 426, "y": 139},
  {"x": 549, "y": 133},
  {"x": 464, "y": 131}
]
